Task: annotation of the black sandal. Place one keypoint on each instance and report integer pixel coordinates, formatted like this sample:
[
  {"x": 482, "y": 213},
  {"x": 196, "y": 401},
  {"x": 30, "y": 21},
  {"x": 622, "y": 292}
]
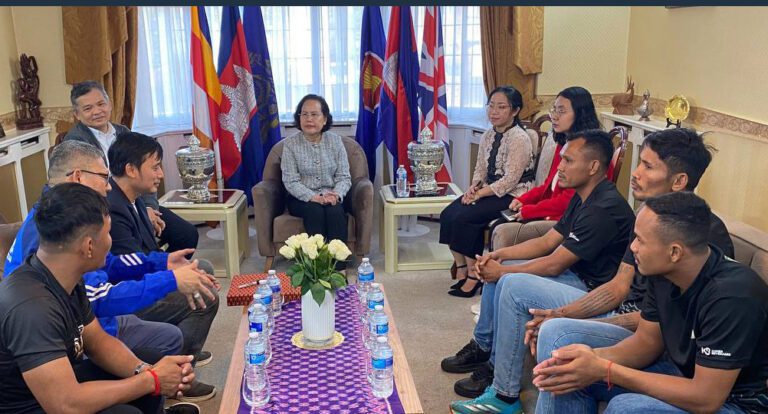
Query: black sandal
[
  {"x": 461, "y": 282},
  {"x": 462, "y": 294}
]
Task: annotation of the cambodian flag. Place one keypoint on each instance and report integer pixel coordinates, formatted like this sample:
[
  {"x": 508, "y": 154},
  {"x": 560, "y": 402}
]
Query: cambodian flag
[
  {"x": 432, "y": 86},
  {"x": 263, "y": 84},
  {"x": 398, "y": 121},
  {"x": 371, "y": 71},
  {"x": 242, "y": 158}
]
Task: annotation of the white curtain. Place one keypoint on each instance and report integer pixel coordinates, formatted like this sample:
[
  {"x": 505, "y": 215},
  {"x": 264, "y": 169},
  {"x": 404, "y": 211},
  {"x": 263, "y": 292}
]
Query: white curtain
[{"x": 313, "y": 50}]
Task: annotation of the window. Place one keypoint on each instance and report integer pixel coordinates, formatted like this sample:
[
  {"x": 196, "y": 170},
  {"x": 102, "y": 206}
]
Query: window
[{"x": 313, "y": 50}]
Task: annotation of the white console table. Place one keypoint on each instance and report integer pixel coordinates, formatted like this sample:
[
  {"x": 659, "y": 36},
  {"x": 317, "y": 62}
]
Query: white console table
[
  {"x": 637, "y": 132},
  {"x": 23, "y": 170}
]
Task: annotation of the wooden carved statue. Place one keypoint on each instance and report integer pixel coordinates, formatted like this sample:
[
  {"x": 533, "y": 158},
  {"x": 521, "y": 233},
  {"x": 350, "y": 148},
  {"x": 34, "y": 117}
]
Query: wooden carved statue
[
  {"x": 2, "y": 132},
  {"x": 28, "y": 87},
  {"x": 622, "y": 103}
]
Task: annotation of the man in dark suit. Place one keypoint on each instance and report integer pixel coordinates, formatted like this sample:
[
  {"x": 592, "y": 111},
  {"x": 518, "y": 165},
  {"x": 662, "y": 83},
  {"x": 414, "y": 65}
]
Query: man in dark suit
[
  {"x": 92, "y": 108},
  {"x": 135, "y": 161}
]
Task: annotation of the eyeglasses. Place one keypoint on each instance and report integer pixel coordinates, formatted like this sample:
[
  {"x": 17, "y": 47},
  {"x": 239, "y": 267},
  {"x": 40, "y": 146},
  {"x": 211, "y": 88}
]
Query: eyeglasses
[
  {"x": 495, "y": 107},
  {"x": 558, "y": 111},
  {"x": 312, "y": 115},
  {"x": 105, "y": 176}
]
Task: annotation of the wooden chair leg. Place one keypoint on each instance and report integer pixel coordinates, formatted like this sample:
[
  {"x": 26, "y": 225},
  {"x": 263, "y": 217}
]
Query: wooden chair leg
[{"x": 268, "y": 264}]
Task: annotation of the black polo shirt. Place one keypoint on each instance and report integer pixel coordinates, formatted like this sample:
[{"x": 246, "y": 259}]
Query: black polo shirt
[
  {"x": 39, "y": 322},
  {"x": 597, "y": 231},
  {"x": 720, "y": 321},
  {"x": 718, "y": 235}
]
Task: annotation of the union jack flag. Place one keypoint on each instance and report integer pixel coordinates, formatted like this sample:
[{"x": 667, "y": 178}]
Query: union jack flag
[{"x": 432, "y": 100}]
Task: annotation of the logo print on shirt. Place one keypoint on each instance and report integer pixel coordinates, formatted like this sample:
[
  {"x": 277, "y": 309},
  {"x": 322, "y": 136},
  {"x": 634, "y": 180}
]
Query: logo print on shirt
[
  {"x": 715, "y": 352},
  {"x": 571, "y": 235}
]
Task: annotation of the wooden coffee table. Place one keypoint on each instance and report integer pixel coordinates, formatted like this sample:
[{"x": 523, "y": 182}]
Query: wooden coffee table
[{"x": 409, "y": 397}]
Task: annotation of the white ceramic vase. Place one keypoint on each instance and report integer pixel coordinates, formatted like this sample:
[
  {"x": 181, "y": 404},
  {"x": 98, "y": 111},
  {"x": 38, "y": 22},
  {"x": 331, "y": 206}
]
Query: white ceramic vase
[{"x": 318, "y": 323}]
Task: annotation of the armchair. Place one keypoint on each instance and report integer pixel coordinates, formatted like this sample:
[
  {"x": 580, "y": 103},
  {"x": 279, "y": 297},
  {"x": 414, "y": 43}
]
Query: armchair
[{"x": 274, "y": 224}]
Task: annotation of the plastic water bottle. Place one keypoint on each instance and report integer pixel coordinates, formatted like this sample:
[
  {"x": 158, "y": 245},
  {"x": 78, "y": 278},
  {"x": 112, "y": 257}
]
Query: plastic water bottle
[
  {"x": 257, "y": 322},
  {"x": 402, "y": 182},
  {"x": 277, "y": 295},
  {"x": 364, "y": 279},
  {"x": 255, "y": 380},
  {"x": 381, "y": 369},
  {"x": 375, "y": 297},
  {"x": 378, "y": 326},
  {"x": 265, "y": 292}
]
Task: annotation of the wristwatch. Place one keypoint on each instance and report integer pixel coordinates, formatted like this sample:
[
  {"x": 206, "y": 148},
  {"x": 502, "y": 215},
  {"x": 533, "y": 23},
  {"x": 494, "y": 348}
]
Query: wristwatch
[{"x": 139, "y": 368}]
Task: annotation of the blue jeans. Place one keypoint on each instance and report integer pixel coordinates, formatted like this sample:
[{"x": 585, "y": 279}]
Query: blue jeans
[
  {"x": 518, "y": 293},
  {"x": 486, "y": 324},
  {"x": 557, "y": 333},
  {"x": 137, "y": 333}
]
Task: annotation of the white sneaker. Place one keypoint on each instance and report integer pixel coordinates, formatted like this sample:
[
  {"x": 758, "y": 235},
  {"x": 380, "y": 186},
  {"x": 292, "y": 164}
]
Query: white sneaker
[
  {"x": 476, "y": 318},
  {"x": 475, "y": 308}
]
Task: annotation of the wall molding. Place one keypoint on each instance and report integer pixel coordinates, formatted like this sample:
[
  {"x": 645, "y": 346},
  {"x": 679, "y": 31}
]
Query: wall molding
[{"x": 702, "y": 119}]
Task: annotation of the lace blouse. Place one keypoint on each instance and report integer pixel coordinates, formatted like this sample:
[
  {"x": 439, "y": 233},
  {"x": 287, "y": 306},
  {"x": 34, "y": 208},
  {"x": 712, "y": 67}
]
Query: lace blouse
[{"x": 514, "y": 162}]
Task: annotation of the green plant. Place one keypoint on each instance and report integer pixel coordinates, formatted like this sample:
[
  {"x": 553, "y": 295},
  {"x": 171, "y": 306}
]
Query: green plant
[{"x": 314, "y": 267}]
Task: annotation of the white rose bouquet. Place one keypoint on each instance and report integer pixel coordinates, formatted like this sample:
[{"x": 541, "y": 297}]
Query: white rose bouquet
[{"x": 315, "y": 264}]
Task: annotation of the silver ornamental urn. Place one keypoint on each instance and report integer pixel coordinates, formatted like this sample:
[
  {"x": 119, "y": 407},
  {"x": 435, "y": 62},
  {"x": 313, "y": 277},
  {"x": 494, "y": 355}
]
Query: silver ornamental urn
[
  {"x": 426, "y": 157},
  {"x": 196, "y": 166}
]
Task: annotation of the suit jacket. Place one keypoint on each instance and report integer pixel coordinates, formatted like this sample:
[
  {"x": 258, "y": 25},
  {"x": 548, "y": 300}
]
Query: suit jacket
[
  {"x": 129, "y": 233},
  {"x": 80, "y": 132}
]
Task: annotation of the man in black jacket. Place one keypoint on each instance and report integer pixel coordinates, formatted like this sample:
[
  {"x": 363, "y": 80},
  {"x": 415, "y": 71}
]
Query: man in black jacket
[
  {"x": 92, "y": 108},
  {"x": 135, "y": 161}
]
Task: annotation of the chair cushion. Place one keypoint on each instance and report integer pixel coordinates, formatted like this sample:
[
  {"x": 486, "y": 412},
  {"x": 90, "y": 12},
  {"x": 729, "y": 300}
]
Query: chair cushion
[
  {"x": 286, "y": 225},
  {"x": 760, "y": 264}
]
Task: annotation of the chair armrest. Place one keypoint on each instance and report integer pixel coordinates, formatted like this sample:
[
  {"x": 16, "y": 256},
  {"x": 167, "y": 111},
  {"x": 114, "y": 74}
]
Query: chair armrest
[
  {"x": 360, "y": 197},
  {"x": 268, "y": 203}
]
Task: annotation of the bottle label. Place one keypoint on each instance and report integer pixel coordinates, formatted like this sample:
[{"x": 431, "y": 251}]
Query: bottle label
[
  {"x": 365, "y": 277},
  {"x": 381, "y": 363},
  {"x": 372, "y": 303},
  {"x": 256, "y": 358},
  {"x": 256, "y": 327},
  {"x": 266, "y": 299},
  {"x": 275, "y": 288},
  {"x": 380, "y": 329}
]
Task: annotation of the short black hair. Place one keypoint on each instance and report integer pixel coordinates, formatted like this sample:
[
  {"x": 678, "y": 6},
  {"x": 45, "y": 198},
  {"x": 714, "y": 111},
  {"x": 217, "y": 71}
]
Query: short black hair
[
  {"x": 683, "y": 216},
  {"x": 598, "y": 143},
  {"x": 82, "y": 88},
  {"x": 131, "y": 148},
  {"x": 67, "y": 211},
  {"x": 682, "y": 150},
  {"x": 323, "y": 107}
]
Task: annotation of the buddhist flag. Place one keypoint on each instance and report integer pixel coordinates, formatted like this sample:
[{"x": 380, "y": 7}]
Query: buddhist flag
[{"x": 205, "y": 89}]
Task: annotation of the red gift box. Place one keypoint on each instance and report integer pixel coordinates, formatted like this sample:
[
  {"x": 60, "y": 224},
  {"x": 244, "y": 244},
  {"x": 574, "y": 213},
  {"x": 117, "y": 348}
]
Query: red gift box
[{"x": 238, "y": 296}]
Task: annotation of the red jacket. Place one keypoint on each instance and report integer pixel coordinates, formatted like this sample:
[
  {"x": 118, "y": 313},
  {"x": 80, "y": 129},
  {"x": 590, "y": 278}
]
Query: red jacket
[{"x": 544, "y": 203}]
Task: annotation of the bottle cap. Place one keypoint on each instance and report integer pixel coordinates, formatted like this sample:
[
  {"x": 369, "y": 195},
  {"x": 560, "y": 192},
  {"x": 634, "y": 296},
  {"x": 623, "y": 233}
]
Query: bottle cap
[
  {"x": 366, "y": 260},
  {"x": 374, "y": 284},
  {"x": 253, "y": 334},
  {"x": 379, "y": 307},
  {"x": 272, "y": 272},
  {"x": 262, "y": 282},
  {"x": 380, "y": 339}
]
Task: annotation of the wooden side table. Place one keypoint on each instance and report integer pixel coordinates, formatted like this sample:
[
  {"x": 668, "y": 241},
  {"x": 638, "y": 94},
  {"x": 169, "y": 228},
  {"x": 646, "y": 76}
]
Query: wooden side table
[
  {"x": 424, "y": 256},
  {"x": 227, "y": 207}
]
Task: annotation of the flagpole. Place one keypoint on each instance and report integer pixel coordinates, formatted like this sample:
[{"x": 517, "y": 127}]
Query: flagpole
[{"x": 217, "y": 155}]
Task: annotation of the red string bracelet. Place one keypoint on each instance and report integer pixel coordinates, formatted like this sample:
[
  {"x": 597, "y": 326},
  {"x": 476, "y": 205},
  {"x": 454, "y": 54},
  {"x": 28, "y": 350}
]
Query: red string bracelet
[
  {"x": 156, "y": 393},
  {"x": 609, "y": 375}
]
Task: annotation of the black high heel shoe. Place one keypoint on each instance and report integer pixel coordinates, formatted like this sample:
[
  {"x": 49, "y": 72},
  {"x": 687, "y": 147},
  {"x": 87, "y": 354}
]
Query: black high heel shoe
[
  {"x": 462, "y": 294},
  {"x": 461, "y": 282}
]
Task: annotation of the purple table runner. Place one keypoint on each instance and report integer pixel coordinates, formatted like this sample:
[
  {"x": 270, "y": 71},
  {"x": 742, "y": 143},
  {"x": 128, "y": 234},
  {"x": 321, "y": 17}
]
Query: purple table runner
[{"x": 321, "y": 381}]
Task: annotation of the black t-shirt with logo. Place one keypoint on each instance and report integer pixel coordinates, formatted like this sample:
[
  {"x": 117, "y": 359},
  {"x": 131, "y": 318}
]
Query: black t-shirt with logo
[
  {"x": 597, "y": 231},
  {"x": 39, "y": 322},
  {"x": 718, "y": 235},
  {"x": 720, "y": 322}
]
